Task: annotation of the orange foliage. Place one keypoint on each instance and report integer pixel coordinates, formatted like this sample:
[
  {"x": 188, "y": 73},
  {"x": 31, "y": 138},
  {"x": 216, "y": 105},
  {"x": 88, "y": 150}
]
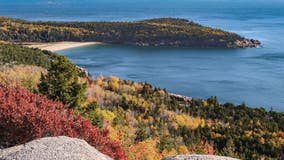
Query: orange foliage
[{"x": 146, "y": 150}]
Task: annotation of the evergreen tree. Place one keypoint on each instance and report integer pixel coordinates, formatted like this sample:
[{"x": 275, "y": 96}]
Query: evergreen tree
[
  {"x": 90, "y": 113},
  {"x": 165, "y": 143},
  {"x": 61, "y": 83},
  {"x": 141, "y": 133},
  {"x": 229, "y": 150}
]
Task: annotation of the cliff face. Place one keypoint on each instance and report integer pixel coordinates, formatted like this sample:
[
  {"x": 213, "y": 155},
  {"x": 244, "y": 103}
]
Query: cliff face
[{"x": 53, "y": 148}]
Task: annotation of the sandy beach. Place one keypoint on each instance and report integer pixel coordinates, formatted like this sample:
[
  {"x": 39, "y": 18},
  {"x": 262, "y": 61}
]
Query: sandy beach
[{"x": 56, "y": 46}]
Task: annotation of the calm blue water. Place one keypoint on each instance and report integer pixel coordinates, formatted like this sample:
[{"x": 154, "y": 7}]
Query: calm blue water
[{"x": 254, "y": 76}]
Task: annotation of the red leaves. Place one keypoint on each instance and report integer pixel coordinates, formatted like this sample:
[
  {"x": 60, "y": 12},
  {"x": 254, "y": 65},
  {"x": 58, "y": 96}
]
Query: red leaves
[
  {"x": 25, "y": 116},
  {"x": 281, "y": 134}
]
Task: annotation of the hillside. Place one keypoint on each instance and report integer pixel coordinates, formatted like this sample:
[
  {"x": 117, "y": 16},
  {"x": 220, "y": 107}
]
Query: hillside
[
  {"x": 15, "y": 54},
  {"x": 154, "y": 32},
  {"x": 150, "y": 123},
  {"x": 25, "y": 116}
]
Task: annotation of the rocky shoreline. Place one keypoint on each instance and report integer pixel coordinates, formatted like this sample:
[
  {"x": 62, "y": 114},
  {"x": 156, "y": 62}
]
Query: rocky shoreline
[
  {"x": 181, "y": 97},
  {"x": 244, "y": 43}
]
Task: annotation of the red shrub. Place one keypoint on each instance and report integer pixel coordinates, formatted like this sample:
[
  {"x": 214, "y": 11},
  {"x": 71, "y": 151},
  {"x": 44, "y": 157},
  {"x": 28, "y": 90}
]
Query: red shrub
[{"x": 25, "y": 116}]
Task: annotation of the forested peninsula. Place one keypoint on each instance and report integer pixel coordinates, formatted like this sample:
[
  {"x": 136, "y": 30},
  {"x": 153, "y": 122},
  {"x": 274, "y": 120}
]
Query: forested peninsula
[{"x": 154, "y": 32}]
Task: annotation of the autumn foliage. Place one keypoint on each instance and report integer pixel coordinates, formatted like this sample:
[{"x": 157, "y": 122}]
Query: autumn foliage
[
  {"x": 25, "y": 116},
  {"x": 149, "y": 122}
]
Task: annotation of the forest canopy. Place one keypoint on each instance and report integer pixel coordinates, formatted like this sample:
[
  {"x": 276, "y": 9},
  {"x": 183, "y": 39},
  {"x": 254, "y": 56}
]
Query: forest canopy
[{"x": 153, "y": 32}]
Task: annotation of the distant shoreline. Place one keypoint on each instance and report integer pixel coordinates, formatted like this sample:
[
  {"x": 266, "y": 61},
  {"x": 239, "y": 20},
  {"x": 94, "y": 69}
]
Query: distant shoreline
[{"x": 57, "y": 46}]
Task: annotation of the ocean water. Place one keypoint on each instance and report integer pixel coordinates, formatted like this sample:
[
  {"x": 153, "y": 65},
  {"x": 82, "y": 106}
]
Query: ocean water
[{"x": 254, "y": 76}]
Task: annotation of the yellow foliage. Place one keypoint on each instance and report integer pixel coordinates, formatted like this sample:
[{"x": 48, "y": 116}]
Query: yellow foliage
[
  {"x": 114, "y": 86},
  {"x": 272, "y": 142},
  {"x": 167, "y": 153},
  {"x": 262, "y": 140},
  {"x": 190, "y": 122},
  {"x": 146, "y": 150},
  {"x": 182, "y": 150},
  {"x": 145, "y": 105},
  {"x": 23, "y": 75},
  {"x": 205, "y": 103},
  {"x": 274, "y": 134},
  {"x": 180, "y": 119},
  {"x": 137, "y": 102},
  {"x": 10, "y": 24},
  {"x": 113, "y": 79},
  {"x": 162, "y": 92},
  {"x": 113, "y": 83},
  {"x": 276, "y": 141},
  {"x": 175, "y": 125},
  {"x": 248, "y": 133},
  {"x": 202, "y": 123},
  {"x": 99, "y": 80},
  {"x": 132, "y": 89},
  {"x": 216, "y": 135},
  {"x": 123, "y": 133},
  {"x": 106, "y": 114},
  {"x": 113, "y": 134},
  {"x": 258, "y": 123}
]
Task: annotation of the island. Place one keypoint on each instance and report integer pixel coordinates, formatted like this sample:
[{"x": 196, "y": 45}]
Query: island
[{"x": 171, "y": 32}]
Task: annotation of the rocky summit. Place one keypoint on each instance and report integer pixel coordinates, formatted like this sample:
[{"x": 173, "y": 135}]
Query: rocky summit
[{"x": 53, "y": 148}]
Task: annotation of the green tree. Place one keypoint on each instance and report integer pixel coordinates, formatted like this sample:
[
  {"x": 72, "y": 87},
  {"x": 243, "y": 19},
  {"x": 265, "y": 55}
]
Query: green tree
[
  {"x": 229, "y": 150},
  {"x": 90, "y": 113},
  {"x": 61, "y": 83},
  {"x": 141, "y": 133},
  {"x": 165, "y": 143}
]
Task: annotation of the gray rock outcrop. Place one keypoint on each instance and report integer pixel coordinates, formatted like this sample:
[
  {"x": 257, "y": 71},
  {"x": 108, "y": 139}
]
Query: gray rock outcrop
[
  {"x": 245, "y": 43},
  {"x": 198, "y": 157},
  {"x": 53, "y": 148}
]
